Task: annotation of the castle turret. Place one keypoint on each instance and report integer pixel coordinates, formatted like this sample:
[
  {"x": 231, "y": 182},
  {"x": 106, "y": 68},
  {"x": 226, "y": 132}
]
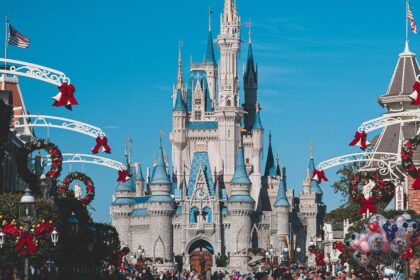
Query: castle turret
[
  {"x": 282, "y": 210},
  {"x": 139, "y": 180},
  {"x": 256, "y": 155},
  {"x": 179, "y": 120},
  {"x": 314, "y": 183},
  {"x": 161, "y": 208},
  {"x": 210, "y": 65},
  {"x": 241, "y": 206}
]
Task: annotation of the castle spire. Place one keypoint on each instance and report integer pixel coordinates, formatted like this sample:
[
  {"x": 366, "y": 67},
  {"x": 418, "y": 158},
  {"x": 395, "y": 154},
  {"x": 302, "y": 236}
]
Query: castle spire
[
  {"x": 257, "y": 121},
  {"x": 270, "y": 168},
  {"x": 313, "y": 183},
  {"x": 179, "y": 80},
  {"x": 160, "y": 176},
  {"x": 281, "y": 200},
  {"x": 210, "y": 58},
  {"x": 240, "y": 176}
]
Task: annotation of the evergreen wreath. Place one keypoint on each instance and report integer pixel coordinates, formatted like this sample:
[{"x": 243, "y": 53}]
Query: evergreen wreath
[
  {"x": 407, "y": 152},
  {"x": 22, "y": 161},
  {"x": 90, "y": 187}
]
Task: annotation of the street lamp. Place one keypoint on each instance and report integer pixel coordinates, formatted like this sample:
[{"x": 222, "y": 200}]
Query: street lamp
[
  {"x": 298, "y": 250},
  {"x": 54, "y": 236},
  {"x": 27, "y": 213},
  {"x": 1, "y": 238},
  {"x": 73, "y": 225}
]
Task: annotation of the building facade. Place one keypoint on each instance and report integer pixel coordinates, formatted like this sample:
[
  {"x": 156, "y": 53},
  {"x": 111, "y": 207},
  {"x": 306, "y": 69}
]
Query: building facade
[{"x": 214, "y": 198}]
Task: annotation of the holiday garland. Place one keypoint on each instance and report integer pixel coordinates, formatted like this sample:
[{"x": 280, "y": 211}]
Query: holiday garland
[
  {"x": 27, "y": 241},
  {"x": 380, "y": 190},
  {"x": 90, "y": 187},
  {"x": 407, "y": 152},
  {"x": 22, "y": 161}
]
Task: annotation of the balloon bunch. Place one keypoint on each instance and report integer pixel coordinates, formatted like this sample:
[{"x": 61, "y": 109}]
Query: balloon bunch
[{"x": 384, "y": 239}]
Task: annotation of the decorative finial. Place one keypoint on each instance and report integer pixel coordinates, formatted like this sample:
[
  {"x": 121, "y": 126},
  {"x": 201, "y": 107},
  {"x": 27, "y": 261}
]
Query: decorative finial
[
  {"x": 248, "y": 25},
  {"x": 179, "y": 80},
  {"x": 311, "y": 150},
  {"x": 257, "y": 109},
  {"x": 210, "y": 13}
]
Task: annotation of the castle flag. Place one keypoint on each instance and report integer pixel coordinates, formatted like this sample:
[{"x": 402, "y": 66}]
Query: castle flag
[
  {"x": 410, "y": 16},
  {"x": 17, "y": 39}
]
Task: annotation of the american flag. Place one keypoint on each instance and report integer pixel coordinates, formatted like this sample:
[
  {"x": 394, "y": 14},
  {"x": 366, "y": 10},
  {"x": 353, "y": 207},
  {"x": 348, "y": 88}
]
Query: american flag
[
  {"x": 413, "y": 25},
  {"x": 17, "y": 39}
]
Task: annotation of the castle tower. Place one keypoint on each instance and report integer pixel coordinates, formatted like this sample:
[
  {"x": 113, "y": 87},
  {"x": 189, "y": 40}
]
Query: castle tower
[
  {"x": 271, "y": 177},
  {"x": 179, "y": 120},
  {"x": 250, "y": 87},
  {"x": 228, "y": 113},
  {"x": 241, "y": 206},
  {"x": 161, "y": 208},
  {"x": 139, "y": 180},
  {"x": 282, "y": 211}
]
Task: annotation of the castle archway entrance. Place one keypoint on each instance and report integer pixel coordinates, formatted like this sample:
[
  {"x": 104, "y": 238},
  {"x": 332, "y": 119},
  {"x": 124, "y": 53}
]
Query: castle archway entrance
[{"x": 201, "y": 255}]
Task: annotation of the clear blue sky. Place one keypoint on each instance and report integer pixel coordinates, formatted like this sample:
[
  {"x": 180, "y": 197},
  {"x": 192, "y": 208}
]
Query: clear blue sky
[{"x": 322, "y": 65}]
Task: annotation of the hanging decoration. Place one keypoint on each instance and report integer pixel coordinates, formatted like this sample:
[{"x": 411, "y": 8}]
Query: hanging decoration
[
  {"x": 368, "y": 188},
  {"x": 360, "y": 140},
  {"x": 407, "y": 152},
  {"x": 22, "y": 161},
  {"x": 65, "y": 96},
  {"x": 319, "y": 176},
  {"x": 101, "y": 142},
  {"x": 87, "y": 181},
  {"x": 415, "y": 96},
  {"x": 123, "y": 175}
]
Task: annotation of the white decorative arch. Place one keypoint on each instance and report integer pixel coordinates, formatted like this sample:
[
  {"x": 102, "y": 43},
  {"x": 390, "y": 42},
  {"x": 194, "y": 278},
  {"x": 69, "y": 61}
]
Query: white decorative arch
[
  {"x": 89, "y": 159},
  {"x": 390, "y": 119},
  {"x": 387, "y": 163},
  {"x": 34, "y": 71},
  {"x": 57, "y": 122}
]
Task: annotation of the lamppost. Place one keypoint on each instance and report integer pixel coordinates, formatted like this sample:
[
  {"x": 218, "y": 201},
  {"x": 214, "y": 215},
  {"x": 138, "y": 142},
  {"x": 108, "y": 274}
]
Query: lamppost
[
  {"x": 286, "y": 254},
  {"x": 269, "y": 254},
  {"x": 54, "y": 236},
  {"x": 297, "y": 257},
  {"x": 27, "y": 213}
]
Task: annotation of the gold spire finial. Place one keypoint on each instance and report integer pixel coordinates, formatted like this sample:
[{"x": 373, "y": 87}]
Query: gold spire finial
[
  {"x": 210, "y": 13},
  {"x": 179, "y": 80},
  {"x": 248, "y": 25},
  {"x": 257, "y": 107},
  {"x": 311, "y": 150}
]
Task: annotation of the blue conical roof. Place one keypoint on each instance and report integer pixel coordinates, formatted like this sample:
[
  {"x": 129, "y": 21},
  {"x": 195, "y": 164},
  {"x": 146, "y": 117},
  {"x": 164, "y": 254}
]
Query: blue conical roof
[
  {"x": 139, "y": 174},
  {"x": 281, "y": 200},
  {"x": 126, "y": 186},
  {"x": 160, "y": 176},
  {"x": 240, "y": 177},
  {"x": 210, "y": 58},
  {"x": 250, "y": 62},
  {"x": 270, "y": 168},
  {"x": 179, "y": 103},
  {"x": 257, "y": 122},
  {"x": 314, "y": 184}
]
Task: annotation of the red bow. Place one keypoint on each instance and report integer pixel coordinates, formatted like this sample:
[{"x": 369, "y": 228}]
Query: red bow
[
  {"x": 101, "y": 142},
  {"x": 367, "y": 204},
  {"x": 123, "y": 175},
  {"x": 416, "y": 184},
  {"x": 360, "y": 140},
  {"x": 407, "y": 255},
  {"x": 339, "y": 246},
  {"x": 65, "y": 96},
  {"x": 415, "y": 96},
  {"x": 319, "y": 176}
]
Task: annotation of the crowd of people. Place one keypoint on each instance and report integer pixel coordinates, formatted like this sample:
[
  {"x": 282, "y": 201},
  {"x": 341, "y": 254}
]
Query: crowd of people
[{"x": 289, "y": 272}]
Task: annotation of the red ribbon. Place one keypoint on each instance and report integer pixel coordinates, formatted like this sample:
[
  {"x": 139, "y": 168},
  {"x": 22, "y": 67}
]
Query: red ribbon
[
  {"x": 123, "y": 175},
  {"x": 416, "y": 184},
  {"x": 367, "y": 204},
  {"x": 407, "y": 255},
  {"x": 319, "y": 176},
  {"x": 339, "y": 246},
  {"x": 416, "y": 94},
  {"x": 101, "y": 142},
  {"x": 359, "y": 140},
  {"x": 65, "y": 96}
]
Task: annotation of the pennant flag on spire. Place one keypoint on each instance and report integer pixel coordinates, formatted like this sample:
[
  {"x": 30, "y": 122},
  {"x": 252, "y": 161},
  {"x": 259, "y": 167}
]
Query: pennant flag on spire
[
  {"x": 17, "y": 39},
  {"x": 410, "y": 16}
]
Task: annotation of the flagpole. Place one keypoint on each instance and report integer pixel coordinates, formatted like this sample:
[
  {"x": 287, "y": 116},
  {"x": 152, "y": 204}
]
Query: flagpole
[
  {"x": 5, "y": 51},
  {"x": 406, "y": 22}
]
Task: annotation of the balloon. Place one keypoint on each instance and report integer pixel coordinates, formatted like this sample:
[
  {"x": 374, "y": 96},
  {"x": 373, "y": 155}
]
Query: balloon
[
  {"x": 390, "y": 230},
  {"x": 386, "y": 246},
  {"x": 364, "y": 247},
  {"x": 400, "y": 219},
  {"x": 375, "y": 242},
  {"x": 364, "y": 237},
  {"x": 406, "y": 216},
  {"x": 374, "y": 227},
  {"x": 356, "y": 243},
  {"x": 411, "y": 229},
  {"x": 378, "y": 218},
  {"x": 399, "y": 245}
]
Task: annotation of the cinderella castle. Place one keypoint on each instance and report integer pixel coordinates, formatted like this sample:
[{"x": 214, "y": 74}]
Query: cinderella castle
[{"x": 216, "y": 199}]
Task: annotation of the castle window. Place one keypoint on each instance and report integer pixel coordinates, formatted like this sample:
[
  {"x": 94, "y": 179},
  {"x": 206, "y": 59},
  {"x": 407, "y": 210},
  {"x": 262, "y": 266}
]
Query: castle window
[
  {"x": 197, "y": 115},
  {"x": 228, "y": 103},
  {"x": 194, "y": 212},
  {"x": 207, "y": 215},
  {"x": 247, "y": 160}
]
